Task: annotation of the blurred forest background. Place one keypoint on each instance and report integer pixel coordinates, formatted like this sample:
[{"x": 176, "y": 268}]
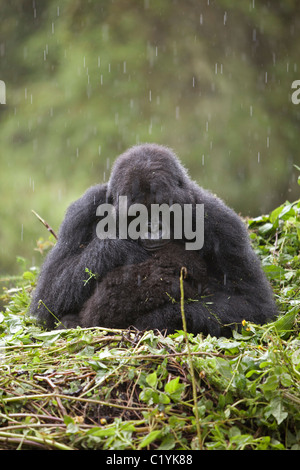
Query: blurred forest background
[{"x": 86, "y": 79}]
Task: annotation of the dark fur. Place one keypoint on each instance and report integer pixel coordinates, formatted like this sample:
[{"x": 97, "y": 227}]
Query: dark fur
[
  {"x": 126, "y": 294},
  {"x": 151, "y": 174}
]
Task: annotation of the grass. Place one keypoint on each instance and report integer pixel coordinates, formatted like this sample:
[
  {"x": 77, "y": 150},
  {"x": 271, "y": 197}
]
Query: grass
[{"x": 124, "y": 389}]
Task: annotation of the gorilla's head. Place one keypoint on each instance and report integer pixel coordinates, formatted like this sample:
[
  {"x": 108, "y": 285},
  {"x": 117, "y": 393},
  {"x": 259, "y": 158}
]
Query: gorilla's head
[{"x": 149, "y": 174}]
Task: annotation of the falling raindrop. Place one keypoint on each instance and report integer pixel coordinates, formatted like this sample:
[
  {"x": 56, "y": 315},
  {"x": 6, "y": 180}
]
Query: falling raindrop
[
  {"x": 258, "y": 157},
  {"x": 225, "y": 17},
  {"x": 22, "y": 232}
]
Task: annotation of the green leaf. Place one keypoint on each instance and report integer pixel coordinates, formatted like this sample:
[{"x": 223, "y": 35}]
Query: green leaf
[
  {"x": 285, "y": 323},
  {"x": 287, "y": 212},
  {"x": 174, "y": 389},
  {"x": 151, "y": 379},
  {"x": 172, "y": 386},
  {"x": 266, "y": 229},
  {"x": 29, "y": 276},
  {"x": 276, "y": 409},
  {"x": 149, "y": 438},
  {"x": 48, "y": 337},
  {"x": 168, "y": 443},
  {"x": 286, "y": 380},
  {"x": 163, "y": 398},
  {"x": 274, "y": 272},
  {"x": 270, "y": 384},
  {"x": 275, "y": 213}
]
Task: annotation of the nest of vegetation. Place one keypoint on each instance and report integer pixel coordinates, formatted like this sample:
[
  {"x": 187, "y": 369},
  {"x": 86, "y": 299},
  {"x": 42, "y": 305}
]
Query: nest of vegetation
[{"x": 125, "y": 389}]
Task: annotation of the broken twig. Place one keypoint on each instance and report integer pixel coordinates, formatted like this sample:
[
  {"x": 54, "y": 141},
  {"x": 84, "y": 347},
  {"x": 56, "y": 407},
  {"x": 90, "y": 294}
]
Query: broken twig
[{"x": 50, "y": 229}]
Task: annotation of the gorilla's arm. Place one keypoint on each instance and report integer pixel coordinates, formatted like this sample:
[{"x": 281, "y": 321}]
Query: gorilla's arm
[
  {"x": 241, "y": 289},
  {"x": 129, "y": 292},
  {"x": 61, "y": 287},
  {"x": 217, "y": 314}
]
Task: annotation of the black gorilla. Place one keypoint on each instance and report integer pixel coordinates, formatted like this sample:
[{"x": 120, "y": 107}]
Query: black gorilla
[{"x": 150, "y": 174}]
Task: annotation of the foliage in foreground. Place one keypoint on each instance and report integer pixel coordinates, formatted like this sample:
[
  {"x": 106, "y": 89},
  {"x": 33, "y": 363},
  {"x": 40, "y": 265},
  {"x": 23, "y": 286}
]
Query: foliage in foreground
[{"x": 116, "y": 389}]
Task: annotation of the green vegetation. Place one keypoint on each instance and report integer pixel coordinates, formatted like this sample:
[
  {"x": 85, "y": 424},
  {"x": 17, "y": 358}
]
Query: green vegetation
[
  {"x": 119, "y": 389},
  {"x": 87, "y": 79}
]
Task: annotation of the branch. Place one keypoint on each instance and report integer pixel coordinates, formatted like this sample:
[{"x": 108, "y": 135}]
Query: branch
[{"x": 50, "y": 229}]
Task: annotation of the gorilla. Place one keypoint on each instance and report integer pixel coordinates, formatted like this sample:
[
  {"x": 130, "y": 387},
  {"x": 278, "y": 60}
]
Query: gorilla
[{"x": 136, "y": 281}]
